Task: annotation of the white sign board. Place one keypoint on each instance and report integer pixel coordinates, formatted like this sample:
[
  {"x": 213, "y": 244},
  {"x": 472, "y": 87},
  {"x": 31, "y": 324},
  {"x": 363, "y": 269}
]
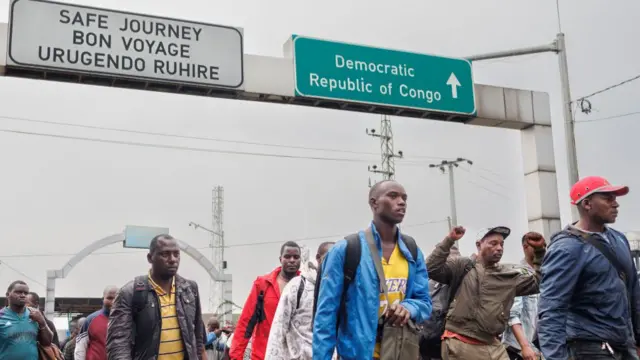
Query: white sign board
[{"x": 79, "y": 39}]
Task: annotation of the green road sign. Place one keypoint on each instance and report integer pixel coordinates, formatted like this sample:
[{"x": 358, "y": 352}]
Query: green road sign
[{"x": 356, "y": 73}]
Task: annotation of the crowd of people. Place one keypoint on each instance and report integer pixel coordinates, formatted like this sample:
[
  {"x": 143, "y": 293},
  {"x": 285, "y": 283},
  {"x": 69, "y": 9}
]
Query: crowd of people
[{"x": 375, "y": 295}]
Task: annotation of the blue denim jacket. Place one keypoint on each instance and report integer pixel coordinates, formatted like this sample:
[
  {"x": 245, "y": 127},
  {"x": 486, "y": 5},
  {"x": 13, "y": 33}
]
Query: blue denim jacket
[{"x": 524, "y": 311}]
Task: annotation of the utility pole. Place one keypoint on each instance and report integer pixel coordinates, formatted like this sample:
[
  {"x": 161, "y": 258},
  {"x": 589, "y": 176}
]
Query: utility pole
[
  {"x": 445, "y": 166},
  {"x": 558, "y": 46},
  {"x": 217, "y": 247},
  {"x": 388, "y": 155}
]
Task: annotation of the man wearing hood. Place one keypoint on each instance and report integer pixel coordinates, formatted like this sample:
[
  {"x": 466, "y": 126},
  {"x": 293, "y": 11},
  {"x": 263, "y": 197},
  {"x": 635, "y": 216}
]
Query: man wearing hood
[
  {"x": 291, "y": 330},
  {"x": 255, "y": 321}
]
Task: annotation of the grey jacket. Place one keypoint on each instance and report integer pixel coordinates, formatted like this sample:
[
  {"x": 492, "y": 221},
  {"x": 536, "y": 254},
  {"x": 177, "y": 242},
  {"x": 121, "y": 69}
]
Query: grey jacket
[{"x": 135, "y": 321}]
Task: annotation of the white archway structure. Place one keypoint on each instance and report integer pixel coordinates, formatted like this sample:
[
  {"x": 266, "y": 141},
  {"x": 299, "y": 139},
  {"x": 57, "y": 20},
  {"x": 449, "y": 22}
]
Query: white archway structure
[{"x": 53, "y": 275}]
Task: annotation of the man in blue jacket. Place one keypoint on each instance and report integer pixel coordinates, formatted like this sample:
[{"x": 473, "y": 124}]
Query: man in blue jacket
[
  {"x": 588, "y": 309},
  {"x": 352, "y": 326}
]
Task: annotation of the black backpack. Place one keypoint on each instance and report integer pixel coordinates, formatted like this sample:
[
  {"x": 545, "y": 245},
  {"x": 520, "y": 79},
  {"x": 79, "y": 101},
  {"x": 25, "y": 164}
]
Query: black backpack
[
  {"x": 352, "y": 256},
  {"x": 140, "y": 293},
  {"x": 441, "y": 297}
]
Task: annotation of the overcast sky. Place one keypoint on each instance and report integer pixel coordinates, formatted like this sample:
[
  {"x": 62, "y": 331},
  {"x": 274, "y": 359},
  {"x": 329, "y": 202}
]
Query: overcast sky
[{"x": 60, "y": 195}]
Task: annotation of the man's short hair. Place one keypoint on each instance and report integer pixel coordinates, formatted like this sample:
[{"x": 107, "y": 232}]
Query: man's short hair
[
  {"x": 13, "y": 284},
  {"x": 374, "y": 189},
  {"x": 35, "y": 297},
  {"x": 292, "y": 244},
  {"x": 109, "y": 288},
  {"x": 324, "y": 245},
  {"x": 153, "y": 245}
]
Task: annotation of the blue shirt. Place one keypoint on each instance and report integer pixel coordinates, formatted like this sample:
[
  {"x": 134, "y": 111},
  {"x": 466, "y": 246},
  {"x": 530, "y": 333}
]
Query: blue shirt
[
  {"x": 211, "y": 337},
  {"x": 18, "y": 335}
]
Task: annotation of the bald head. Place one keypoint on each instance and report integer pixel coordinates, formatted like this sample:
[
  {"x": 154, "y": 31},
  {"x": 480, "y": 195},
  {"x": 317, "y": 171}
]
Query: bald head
[{"x": 108, "y": 296}]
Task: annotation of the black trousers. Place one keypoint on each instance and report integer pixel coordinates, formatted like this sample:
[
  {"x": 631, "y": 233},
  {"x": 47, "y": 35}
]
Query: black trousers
[{"x": 595, "y": 350}]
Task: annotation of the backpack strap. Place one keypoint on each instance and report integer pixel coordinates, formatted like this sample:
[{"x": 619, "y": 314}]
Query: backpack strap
[
  {"x": 608, "y": 253},
  {"x": 412, "y": 246},
  {"x": 352, "y": 255},
  {"x": 257, "y": 317},
  {"x": 353, "y": 251},
  {"x": 140, "y": 293},
  {"x": 303, "y": 281},
  {"x": 316, "y": 291}
]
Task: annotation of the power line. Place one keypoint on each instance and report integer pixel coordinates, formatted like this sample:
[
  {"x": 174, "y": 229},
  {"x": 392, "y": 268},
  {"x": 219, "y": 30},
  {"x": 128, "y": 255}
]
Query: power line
[
  {"x": 22, "y": 274},
  {"x": 489, "y": 190},
  {"x": 610, "y": 87},
  {"x": 201, "y": 138},
  {"x": 484, "y": 177},
  {"x": 609, "y": 117},
  {"x": 184, "y": 148},
  {"x": 445, "y": 166},
  {"x": 487, "y": 170},
  {"x": 334, "y": 236},
  {"x": 426, "y": 164}
]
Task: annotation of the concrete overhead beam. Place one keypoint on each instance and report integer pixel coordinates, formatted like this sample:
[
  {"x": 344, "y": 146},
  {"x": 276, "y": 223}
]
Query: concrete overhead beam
[{"x": 271, "y": 79}]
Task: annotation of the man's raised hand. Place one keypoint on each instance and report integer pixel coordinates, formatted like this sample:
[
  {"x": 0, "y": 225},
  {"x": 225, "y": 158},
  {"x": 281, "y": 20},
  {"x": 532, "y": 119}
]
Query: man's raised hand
[
  {"x": 535, "y": 240},
  {"x": 457, "y": 233}
]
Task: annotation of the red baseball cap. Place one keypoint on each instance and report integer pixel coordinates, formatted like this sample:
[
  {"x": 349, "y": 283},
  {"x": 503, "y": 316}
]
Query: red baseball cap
[{"x": 594, "y": 184}]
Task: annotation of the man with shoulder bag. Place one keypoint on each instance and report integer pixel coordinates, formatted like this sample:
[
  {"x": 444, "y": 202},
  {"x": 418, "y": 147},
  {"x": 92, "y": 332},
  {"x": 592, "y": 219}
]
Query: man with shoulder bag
[
  {"x": 353, "y": 314},
  {"x": 590, "y": 295}
]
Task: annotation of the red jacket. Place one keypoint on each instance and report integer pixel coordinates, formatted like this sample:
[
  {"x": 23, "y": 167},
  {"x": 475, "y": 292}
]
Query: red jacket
[{"x": 269, "y": 285}]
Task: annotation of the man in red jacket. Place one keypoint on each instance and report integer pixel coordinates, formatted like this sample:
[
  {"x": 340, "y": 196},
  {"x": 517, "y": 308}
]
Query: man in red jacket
[{"x": 257, "y": 314}]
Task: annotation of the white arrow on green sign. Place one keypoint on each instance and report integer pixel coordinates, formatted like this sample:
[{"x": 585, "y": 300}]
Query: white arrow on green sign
[{"x": 356, "y": 73}]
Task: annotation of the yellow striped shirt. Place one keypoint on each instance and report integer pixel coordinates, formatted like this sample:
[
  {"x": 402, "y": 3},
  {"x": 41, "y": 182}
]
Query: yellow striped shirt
[{"x": 171, "y": 345}]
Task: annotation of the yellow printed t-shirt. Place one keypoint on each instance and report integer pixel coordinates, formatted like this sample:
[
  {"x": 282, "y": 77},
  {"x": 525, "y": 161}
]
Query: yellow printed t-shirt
[
  {"x": 396, "y": 272},
  {"x": 171, "y": 346}
]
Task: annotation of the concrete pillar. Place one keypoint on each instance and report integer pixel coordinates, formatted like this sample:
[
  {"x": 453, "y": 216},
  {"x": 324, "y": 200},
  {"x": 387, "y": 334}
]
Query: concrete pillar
[
  {"x": 529, "y": 112},
  {"x": 50, "y": 296},
  {"x": 541, "y": 189},
  {"x": 227, "y": 289}
]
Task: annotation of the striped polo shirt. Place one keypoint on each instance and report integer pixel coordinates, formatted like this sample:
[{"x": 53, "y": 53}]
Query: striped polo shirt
[{"x": 171, "y": 345}]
